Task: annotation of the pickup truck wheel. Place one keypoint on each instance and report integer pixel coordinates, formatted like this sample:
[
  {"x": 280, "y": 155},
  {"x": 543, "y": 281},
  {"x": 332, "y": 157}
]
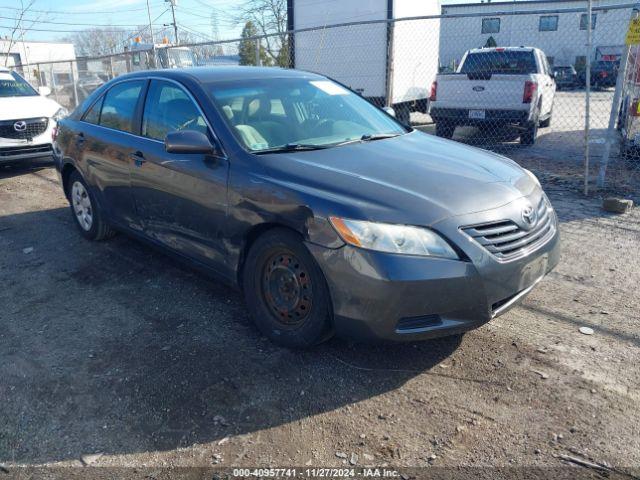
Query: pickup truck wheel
[
  {"x": 286, "y": 292},
  {"x": 403, "y": 115},
  {"x": 547, "y": 122},
  {"x": 85, "y": 210},
  {"x": 445, "y": 129},
  {"x": 530, "y": 134}
]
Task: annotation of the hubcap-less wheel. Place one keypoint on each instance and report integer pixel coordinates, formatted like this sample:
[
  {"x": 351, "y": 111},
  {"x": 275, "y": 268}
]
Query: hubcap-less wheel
[
  {"x": 286, "y": 287},
  {"x": 82, "y": 205}
]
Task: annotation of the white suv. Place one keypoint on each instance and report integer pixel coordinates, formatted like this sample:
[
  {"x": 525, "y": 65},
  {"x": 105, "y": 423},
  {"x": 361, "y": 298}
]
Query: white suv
[{"x": 27, "y": 120}]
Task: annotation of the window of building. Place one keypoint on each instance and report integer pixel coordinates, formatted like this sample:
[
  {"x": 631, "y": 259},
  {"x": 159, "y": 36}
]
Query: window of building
[
  {"x": 583, "y": 21},
  {"x": 548, "y": 23},
  {"x": 490, "y": 25}
]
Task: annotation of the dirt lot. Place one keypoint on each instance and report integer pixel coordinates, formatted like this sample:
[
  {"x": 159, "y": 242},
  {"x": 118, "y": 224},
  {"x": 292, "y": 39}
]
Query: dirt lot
[{"x": 113, "y": 348}]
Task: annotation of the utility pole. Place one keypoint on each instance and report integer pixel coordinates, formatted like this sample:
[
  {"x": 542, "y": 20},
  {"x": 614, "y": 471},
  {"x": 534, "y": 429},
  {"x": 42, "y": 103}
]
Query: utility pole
[
  {"x": 153, "y": 40},
  {"x": 173, "y": 14}
]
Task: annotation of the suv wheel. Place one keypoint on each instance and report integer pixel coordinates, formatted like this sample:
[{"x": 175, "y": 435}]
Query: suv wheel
[
  {"x": 286, "y": 292},
  {"x": 85, "y": 211}
]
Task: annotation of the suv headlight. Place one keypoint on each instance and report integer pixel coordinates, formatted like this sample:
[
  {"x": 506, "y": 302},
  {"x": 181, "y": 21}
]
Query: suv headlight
[
  {"x": 60, "y": 114},
  {"x": 389, "y": 238}
]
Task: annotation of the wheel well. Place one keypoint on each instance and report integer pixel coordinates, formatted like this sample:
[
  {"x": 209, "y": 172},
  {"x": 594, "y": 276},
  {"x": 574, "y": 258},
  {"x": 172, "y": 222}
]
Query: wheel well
[
  {"x": 67, "y": 170},
  {"x": 249, "y": 239}
]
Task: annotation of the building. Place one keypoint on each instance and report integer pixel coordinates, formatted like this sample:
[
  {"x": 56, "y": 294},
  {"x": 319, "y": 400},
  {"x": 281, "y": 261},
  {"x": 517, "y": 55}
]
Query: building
[
  {"x": 30, "y": 59},
  {"x": 558, "y": 27}
]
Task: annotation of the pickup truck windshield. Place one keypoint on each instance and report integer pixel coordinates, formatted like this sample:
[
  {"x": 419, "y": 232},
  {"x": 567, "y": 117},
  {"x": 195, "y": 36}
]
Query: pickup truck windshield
[
  {"x": 287, "y": 114},
  {"x": 13, "y": 85},
  {"x": 505, "y": 62}
]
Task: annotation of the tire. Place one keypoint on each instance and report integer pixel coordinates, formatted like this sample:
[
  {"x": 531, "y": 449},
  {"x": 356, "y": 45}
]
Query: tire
[
  {"x": 286, "y": 292},
  {"x": 85, "y": 211},
  {"x": 547, "y": 122},
  {"x": 530, "y": 135},
  {"x": 445, "y": 129},
  {"x": 403, "y": 115}
]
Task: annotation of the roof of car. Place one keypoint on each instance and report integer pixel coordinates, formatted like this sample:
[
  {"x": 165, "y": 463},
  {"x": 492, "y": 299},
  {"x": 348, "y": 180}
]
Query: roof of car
[
  {"x": 501, "y": 49},
  {"x": 225, "y": 73}
]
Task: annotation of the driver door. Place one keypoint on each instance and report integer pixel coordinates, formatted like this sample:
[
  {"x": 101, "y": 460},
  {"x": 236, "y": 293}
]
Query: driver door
[{"x": 181, "y": 198}]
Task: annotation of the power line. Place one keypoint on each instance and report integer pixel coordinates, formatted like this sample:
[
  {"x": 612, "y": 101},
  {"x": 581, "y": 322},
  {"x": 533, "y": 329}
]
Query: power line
[
  {"x": 73, "y": 23},
  {"x": 66, "y": 12}
]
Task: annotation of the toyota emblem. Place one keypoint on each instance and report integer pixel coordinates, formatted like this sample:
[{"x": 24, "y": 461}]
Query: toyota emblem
[
  {"x": 529, "y": 215},
  {"x": 20, "y": 126}
]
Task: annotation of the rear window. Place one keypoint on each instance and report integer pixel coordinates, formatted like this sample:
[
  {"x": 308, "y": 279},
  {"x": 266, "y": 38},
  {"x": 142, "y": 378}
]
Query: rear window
[{"x": 507, "y": 62}]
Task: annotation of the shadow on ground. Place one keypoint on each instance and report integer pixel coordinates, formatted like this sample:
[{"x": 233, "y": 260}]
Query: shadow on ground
[{"x": 113, "y": 347}]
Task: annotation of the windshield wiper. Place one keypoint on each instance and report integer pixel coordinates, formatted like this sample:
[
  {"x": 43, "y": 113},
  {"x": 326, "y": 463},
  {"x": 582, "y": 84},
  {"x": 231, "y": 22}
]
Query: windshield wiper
[
  {"x": 293, "y": 147},
  {"x": 378, "y": 136},
  {"x": 367, "y": 137}
]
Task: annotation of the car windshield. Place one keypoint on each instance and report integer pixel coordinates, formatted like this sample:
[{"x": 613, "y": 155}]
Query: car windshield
[
  {"x": 500, "y": 62},
  {"x": 281, "y": 114},
  {"x": 13, "y": 85}
]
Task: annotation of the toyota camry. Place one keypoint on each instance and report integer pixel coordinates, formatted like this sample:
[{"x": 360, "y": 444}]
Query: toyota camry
[{"x": 328, "y": 214}]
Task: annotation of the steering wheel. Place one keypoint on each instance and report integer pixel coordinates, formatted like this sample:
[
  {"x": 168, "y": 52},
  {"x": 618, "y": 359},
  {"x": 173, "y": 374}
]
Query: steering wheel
[{"x": 326, "y": 123}]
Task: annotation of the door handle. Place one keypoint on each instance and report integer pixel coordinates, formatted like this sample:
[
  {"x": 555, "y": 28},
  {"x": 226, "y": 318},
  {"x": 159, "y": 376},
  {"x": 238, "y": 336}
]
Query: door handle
[
  {"x": 80, "y": 139},
  {"x": 138, "y": 158}
]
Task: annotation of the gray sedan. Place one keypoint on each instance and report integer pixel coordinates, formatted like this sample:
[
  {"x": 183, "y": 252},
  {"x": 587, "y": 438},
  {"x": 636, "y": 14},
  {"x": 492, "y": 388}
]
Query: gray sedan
[{"x": 327, "y": 213}]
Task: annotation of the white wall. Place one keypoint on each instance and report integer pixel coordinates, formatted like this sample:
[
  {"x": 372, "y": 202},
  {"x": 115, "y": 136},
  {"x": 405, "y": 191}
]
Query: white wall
[
  {"x": 565, "y": 44},
  {"x": 415, "y": 49}
]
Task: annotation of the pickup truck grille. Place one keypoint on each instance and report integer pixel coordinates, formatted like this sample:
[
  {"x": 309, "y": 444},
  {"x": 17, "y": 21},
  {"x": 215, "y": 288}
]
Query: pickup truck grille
[
  {"x": 507, "y": 241},
  {"x": 33, "y": 128}
]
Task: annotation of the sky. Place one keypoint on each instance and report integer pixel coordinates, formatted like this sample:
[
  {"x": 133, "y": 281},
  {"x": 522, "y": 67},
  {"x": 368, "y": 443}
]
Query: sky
[{"x": 56, "y": 19}]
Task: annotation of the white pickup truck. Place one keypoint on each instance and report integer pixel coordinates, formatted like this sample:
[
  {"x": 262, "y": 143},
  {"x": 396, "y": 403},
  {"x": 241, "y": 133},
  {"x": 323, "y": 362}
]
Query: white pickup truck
[{"x": 494, "y": 88}]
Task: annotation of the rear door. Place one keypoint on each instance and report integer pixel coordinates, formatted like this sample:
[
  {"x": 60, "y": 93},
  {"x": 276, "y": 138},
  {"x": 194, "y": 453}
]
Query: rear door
[
  {"x": 181, "y": 198},
  {"x": 105, "y": 141}
]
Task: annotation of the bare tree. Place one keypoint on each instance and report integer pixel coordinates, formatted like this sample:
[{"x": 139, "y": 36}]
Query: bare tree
[
  {"x": 270, "y": 18},
  {"x": 99, "y": 41},
  {"x": 20, "y": 26}
]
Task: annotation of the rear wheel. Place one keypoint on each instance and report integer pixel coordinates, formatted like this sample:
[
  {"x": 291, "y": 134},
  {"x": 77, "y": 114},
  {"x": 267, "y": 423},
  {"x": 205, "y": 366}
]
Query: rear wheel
[
  {"x": 285, "y": 291},
  {"x": 86, "y": 213},
  {"x": 445, "y": 129},
  {"x": 530, "y": 134}
]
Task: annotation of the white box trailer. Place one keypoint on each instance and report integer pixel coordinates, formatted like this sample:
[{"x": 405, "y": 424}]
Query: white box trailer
[{"x": 390, "y": 63}]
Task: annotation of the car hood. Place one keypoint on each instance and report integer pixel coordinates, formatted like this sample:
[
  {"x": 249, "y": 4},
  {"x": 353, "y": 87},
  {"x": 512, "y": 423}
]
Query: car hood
[
  {"x": 20, "y": 108},
  {"x": 414, "y": 178}
]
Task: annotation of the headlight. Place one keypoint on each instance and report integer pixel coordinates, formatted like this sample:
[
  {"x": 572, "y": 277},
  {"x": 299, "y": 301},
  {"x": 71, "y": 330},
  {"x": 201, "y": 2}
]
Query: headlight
[
  {"x": 60, "y": 114},
  {"x": 384, "y": 237},
  {"x": 533, "y": 177}
]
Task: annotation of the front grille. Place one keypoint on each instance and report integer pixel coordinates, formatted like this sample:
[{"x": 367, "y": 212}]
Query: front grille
[
  {"x": 26, "y": 150},
  {"x": 506, "y": 240},
  {"x": 33, "y": 128}
]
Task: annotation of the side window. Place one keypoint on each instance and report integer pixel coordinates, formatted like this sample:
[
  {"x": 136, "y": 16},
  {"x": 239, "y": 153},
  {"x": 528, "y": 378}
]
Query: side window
[
  {"x": 168, "y": 108},
  {"x": 119, "y": 105},
  {"x": 93, "y": 114}
]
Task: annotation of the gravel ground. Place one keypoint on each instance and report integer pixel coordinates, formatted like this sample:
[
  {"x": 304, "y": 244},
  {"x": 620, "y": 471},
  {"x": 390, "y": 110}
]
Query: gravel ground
[{"x": 113, "y": 348}]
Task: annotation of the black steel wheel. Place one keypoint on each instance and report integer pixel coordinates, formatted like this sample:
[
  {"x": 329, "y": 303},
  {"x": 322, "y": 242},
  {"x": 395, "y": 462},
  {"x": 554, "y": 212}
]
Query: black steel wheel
[{"x": 285, "y": 291}]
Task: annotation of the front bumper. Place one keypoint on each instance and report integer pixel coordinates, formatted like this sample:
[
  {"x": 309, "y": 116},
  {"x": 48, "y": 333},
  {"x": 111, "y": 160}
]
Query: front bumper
[
  {"x": 380, "y": 296},
  {"x": 27, "y": 151}
]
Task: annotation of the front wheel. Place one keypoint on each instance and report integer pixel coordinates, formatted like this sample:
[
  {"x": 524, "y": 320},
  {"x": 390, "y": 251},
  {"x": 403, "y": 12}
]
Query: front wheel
[
  {"x": 286, "y": 292},
  {"x": 86, "y": 213}
]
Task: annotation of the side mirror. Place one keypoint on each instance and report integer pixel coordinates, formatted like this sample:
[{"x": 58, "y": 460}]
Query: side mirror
[
  {"x": 390, "y": 111},
  {"x": 44, "y": 91},
  {"x": 188, "y": 141}
]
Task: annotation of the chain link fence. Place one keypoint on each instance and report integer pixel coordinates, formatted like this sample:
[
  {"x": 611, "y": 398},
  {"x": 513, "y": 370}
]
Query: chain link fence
[{"x": 537, "y": 85}]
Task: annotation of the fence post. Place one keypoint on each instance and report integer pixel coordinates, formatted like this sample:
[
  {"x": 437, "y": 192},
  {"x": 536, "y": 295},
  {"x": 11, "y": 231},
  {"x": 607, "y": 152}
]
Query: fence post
[
  {"x": 615, "y": 106},
  {"x": 75, "y": 86},
  {"x": 587, "y": 119}
]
